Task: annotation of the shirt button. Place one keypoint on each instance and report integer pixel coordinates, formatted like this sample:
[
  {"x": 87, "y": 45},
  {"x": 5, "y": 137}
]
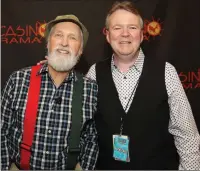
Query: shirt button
[
  {"x": 47, "y": 152},
  {"x": 49, "y": 131},
  {"x": 52, "y": 110}
]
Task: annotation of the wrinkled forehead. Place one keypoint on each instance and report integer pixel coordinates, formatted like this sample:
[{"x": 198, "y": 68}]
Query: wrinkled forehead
[{"x": 67, "y": 27}]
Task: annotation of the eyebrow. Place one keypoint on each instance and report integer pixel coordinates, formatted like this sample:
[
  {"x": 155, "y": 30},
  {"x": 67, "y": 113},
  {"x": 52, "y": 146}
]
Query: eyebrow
[
  {"x": 125, "y": 25},
  {"x": 70, "y": 33},
  {"x": 60, "y": 31}
]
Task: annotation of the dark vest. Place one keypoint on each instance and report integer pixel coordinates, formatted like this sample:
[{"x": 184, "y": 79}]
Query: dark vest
[{"x": 146, "y": 123}]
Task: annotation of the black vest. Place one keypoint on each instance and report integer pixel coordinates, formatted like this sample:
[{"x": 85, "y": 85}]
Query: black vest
[{"x": 146, "y": 123}]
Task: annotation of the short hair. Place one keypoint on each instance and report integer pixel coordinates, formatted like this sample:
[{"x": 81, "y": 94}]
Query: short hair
[{"x": 124, "y": 5}]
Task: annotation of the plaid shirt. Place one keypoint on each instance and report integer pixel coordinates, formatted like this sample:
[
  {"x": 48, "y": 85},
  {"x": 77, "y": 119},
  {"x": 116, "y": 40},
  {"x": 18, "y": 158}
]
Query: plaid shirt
[{"x": 50, "y": 145}]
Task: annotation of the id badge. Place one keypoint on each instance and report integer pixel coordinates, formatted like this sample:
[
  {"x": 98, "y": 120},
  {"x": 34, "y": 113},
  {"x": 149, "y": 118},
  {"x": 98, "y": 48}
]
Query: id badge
[{"x": 121, "y": 148}]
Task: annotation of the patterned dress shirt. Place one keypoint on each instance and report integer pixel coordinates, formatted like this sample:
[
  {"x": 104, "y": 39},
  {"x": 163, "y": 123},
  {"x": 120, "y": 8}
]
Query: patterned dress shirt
[
  {"x": 181, "y": 124},
  {"x": 50, "y": 145}
]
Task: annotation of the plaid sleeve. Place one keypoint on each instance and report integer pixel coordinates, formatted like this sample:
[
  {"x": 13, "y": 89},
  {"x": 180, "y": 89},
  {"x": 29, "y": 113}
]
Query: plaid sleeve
[
  {"x": 6, "y": 115},
  {"x": 89, "y": 146}
]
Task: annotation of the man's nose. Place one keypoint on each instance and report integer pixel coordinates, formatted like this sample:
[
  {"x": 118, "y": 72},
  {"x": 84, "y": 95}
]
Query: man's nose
[
  {"x": 65, "y": 41},
  {"x": 125, "y": 32}
]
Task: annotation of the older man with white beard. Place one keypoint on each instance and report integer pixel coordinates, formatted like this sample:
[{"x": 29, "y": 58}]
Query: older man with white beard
[{"x": 47, "y": 110}]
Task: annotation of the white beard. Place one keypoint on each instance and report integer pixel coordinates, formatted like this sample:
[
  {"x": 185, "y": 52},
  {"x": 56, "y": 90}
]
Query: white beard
[{"x": 62, "y": 62}]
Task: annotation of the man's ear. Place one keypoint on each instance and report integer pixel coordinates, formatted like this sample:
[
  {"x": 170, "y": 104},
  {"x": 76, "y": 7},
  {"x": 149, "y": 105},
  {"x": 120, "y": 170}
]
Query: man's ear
[
  {"x": 47, "y": 45},
  {"x": 107, "y": 36},
  {"x": 80, "y": 52},
  {"x": 142, "y": 36}
]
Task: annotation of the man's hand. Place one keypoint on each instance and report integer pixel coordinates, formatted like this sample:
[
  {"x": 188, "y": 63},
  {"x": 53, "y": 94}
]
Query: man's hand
[
  {"x": 13, "y": 167},
  {"x": 78, "y": 167},
  {"x": 43, "y": 61}
]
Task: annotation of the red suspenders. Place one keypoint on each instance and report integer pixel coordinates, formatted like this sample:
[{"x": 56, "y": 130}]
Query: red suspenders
[{"x": 30, "y": 117}]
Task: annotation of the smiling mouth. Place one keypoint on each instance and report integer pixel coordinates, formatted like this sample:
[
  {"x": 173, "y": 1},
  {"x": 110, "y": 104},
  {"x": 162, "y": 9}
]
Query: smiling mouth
[
  {"x": 63, "y": 51},
  {"x": 125, "y": 42}
]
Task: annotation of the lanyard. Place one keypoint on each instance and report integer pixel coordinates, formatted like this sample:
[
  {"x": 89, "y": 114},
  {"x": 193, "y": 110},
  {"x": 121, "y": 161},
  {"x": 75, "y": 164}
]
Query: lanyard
[{"x": 124, "y": 115}]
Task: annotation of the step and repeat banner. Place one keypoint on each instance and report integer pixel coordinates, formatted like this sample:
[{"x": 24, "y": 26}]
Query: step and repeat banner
[{"x": 171, "y": 32}]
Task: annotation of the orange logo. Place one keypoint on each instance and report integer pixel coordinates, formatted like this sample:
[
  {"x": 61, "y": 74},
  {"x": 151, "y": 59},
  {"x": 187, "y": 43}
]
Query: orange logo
[
  {"x": 152, "y": 28},
  {"x": 41, "y": 29}
]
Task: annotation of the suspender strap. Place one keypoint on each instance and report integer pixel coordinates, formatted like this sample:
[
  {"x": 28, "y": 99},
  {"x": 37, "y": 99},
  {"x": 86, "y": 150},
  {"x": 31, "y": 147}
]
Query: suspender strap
[
  {"x": 30, "y": 117},
  {"x": 74, "y": 138}
]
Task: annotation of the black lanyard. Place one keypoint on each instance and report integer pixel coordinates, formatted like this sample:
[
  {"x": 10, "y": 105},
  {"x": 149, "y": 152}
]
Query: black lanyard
[{"x": 124, "y": 115}]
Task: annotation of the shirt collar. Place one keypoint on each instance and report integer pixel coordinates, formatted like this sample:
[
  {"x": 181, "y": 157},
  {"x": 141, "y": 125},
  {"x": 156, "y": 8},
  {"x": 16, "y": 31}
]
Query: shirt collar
[{"x": 138, "y": 65}]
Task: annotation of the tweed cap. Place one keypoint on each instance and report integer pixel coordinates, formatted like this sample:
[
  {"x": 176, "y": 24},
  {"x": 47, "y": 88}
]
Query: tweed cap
[{"x": 67, "y": 18}]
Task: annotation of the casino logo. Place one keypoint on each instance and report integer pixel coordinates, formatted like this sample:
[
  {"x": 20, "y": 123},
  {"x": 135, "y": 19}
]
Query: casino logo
[
  {"x": 152, "y": 28},
  {"x": 191, "y": 79},
  {"x": 23, "y": 34}
]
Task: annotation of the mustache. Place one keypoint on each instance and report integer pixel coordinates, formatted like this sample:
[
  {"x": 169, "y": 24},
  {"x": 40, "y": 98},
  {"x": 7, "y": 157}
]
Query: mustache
[{"x": 61, "y": 48}]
